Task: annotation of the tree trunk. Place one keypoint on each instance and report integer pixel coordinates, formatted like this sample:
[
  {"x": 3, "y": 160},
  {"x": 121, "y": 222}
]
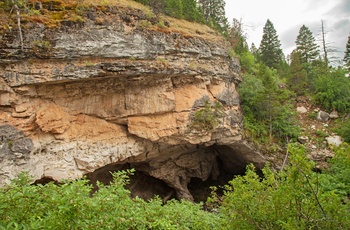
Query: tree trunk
[
  {"x": 324, "y": 44},
  {"x": 18, "y": 23}
]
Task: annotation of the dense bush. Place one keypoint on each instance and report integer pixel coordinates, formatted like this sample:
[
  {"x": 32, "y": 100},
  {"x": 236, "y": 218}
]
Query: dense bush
[
  {"x": 71, "y": 206},
  {"x": 343, "y": 129},
  {"x": 208, "y": 118},
  {"x": 337, "y": 177},
  {"x": 268, "y": 109},
  {"x": 293, "y": 198},
  {"x": 289, "y": 199},
  {"x": 333, "y": 91}
]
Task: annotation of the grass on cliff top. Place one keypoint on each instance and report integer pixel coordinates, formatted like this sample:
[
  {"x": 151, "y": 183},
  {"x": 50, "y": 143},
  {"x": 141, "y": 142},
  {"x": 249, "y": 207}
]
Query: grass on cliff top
[
  {"x": 72, "y": 10},
  {"x": 121, "y": 3},
  {"x": 192, "y": 29}
]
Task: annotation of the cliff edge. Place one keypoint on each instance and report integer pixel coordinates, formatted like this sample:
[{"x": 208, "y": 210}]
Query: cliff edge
[{"x": 113, "y": 89}]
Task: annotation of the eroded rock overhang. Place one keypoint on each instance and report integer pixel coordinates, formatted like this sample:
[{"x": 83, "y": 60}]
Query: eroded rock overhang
[{"x": 110, "y": 95}]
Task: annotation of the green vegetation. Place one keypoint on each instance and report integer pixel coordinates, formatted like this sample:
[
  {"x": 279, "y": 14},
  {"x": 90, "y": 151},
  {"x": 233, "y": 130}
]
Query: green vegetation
[
  {"x": 271, "y": 85},
  {"x": 290, "y": 199},
  {"x": 270, "y": 47},
  {"x": 42, "y": 44},
  {"x": 268, "y": 110},
  {"x": 332, "y": 91},
  {"x": 207, "y": 118},
  {"x": 209, "y": 12},
  {"x": 347, "y": 55},
  {"x": 306, "y": 45},
  {"x": 293, "y": 198},
  {"x": 343, "y": 129}
]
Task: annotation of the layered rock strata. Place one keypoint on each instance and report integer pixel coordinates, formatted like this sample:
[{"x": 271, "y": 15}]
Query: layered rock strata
[{"x": 105, "y": 94}]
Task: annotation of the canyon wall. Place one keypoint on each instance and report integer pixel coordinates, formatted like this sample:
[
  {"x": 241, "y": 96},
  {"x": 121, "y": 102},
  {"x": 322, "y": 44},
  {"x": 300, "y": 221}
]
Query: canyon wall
[{"x": 99, "y": 93}]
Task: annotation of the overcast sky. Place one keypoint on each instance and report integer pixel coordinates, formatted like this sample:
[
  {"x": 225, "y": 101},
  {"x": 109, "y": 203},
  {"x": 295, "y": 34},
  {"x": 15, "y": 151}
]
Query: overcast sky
[{"x": 288, "y": 16}]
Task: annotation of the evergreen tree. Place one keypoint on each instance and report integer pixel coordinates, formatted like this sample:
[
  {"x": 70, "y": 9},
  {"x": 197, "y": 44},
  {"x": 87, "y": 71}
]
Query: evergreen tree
[
  {"x": 253, "y": 49},
  {"x": 270, "y": 47},
  {"x": 347, "y": 54},
  {"x": 214, "y": 13},
  {"x": 306, "y": 45},
  {"x": 237, "y": 37},
  {"x": 298, "y": 80},
  {"x": 174, "y": 8},
  {"x": 190, "y": 10}
]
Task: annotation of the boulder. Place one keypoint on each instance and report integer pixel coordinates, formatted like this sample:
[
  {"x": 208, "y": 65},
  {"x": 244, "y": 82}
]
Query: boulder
[
  {"x": 303, "y": 139},
  {"x": 334, "y": 140},
  {"x": 301, "y": 109},
  {"x": 334, "y": 115},
  {"x": 322, "y": 116}
]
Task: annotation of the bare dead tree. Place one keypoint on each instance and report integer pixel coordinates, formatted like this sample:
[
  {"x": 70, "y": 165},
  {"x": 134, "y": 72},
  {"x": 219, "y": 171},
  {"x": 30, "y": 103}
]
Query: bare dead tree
[
  {"x": 15, "y": 6},
  {"x": 325, "y": 53},
  {"x": 329, "y": 51}
]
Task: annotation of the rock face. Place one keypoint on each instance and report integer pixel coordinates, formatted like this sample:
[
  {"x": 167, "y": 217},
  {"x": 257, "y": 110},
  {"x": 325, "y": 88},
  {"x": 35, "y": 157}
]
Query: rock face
[{"x": 102, "y": 95}]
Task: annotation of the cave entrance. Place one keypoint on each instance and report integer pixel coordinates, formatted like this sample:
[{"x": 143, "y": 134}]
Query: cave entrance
[
  {"x": 201, "y": 190},
  {"x": 141, "y": 184},
  {"x": 229, "y": 161}
]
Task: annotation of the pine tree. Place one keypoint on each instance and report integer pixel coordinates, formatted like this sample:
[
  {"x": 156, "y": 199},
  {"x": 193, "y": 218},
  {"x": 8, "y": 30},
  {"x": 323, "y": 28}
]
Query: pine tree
[
  {"x": 270, "y": 47},
  {"x": 255, "y": 51},
  {"x": 190, "y": 10},
  {"x": 306, "y": 46},
  {"x": 214, "y": 13},
  {"x": 237, "y": 37},
  {"x": 298, "y": 80},
  {"x": 347, "y": 54},
  {"x": 174, "y": 8}
]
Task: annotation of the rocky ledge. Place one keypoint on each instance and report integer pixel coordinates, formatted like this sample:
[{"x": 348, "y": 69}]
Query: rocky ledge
[{"x": 86, "y": 98}]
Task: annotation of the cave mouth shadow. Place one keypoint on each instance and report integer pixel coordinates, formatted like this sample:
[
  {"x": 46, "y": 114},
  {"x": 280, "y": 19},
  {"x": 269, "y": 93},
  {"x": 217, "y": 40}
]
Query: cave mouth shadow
[
  {"x": 140, "y": 183},
  {"x": 201, "y": 189},
  {"x": 231, "y": 162}
]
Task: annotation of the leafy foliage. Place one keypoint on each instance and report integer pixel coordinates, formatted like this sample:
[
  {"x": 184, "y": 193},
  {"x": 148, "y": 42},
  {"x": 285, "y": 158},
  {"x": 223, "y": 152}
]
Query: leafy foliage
[
  {"x": 71, "y": 206},
  {"x": 290, "y": 199},
  {"x": 343, "y": 129},
  {"x": 207, "y": 118},
  {"x": 333, "y": 91},
  {"x": 337, "y": 177},
  {"x": 294, "y": 198},
  {"x": 267, "y": 108}
]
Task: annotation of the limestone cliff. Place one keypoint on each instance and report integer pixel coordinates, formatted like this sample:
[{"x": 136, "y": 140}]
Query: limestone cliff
[{"x": 104, "y": 92}]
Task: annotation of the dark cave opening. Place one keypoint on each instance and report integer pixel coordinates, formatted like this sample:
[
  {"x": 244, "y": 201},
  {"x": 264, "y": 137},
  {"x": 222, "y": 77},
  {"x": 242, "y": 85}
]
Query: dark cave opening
[
  {"x": 141, "y": 185},
  {"x": 201, "y": 190},
  {"x": 44, "y": 181},
  {"x": 230, "y": 161}
]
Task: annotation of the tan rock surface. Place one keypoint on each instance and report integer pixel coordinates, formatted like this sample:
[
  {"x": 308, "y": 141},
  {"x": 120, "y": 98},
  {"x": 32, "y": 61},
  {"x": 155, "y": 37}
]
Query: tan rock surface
[{"x": 103, "y": 96}]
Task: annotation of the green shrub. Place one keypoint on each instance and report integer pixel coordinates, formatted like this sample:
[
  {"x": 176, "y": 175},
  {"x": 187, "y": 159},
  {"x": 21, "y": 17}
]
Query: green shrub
[
  {"x": 207, "y": 118},
  {"x": 336, "y": 177},
  {"x": 248, "y": 62},
  {"x": 268, "y": 110},
  {"x": 289, "y": 199},
  {"x": 343, "y": 130},
  {"x": 71, "y": 206},
  {"x": 333, "y": 91}
]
